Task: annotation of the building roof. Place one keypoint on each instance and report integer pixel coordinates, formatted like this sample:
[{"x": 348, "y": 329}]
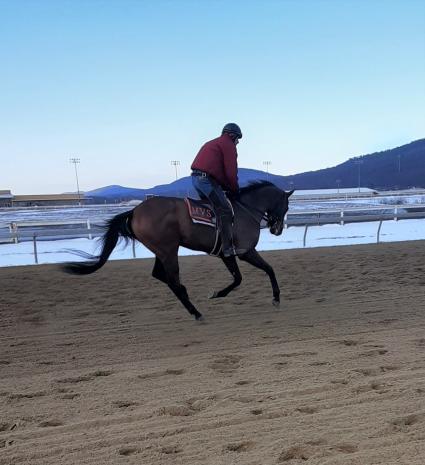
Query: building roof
[
  {"x": 5, "y": 194},
  {"x": 342, "y": 190},
  {"x": 44, "y": 197}
]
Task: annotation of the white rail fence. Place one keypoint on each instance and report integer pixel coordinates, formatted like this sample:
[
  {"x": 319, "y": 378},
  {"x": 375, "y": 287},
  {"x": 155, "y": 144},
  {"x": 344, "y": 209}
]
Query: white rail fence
[{"x": 88, "y": 228}]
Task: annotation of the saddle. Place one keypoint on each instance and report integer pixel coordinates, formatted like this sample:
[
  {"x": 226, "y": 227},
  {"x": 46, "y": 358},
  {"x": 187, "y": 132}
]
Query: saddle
[{"x": 200, "y": 212}]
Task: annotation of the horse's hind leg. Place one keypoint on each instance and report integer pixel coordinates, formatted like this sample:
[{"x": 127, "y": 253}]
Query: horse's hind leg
[
  {"x": 158, "y": 271},
  {"x": 232, "y": 266},
  {"x": 171, "y": 269},
  {"x": 254, "y": 258}
]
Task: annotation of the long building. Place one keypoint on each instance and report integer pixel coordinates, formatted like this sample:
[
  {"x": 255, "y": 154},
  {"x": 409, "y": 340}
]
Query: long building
[{"x": 7, "y": 199}]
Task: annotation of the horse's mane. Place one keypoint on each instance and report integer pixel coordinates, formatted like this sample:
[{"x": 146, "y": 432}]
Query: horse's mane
[{"x": 254, "y": 185}]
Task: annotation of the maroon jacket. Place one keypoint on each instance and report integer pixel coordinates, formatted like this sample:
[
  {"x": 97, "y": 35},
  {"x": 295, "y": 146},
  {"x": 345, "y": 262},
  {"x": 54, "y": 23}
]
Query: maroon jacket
[{"x": 218, "y": 158}]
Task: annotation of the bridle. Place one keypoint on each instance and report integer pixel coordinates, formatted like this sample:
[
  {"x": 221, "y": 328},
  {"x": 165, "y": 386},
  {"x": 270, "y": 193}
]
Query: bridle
[{"x": 269, "y": 218}]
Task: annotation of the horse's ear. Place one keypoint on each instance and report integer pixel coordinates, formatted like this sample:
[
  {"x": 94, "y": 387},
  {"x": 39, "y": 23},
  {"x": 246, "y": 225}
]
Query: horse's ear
[{"x": 288, "y": 194}]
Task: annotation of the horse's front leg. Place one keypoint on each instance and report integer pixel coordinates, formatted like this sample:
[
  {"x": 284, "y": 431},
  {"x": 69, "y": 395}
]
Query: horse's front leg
[
  {"x": 254, "y": 258},
  {"x": 232, "y": 266}
]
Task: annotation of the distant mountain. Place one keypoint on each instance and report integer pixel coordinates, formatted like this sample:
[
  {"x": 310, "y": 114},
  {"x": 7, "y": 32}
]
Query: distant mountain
[
  {"x": 399, "y": 168},
  {"x": 179, "y": 188}
]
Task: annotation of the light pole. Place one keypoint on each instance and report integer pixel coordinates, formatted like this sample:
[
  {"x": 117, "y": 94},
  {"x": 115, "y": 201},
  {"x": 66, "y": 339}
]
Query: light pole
[
  {"x": 359, "y": 163},
  {"x": 338, "y": 182},
  {"x": 267, "y": 163},
  {"x": 75, "y": 161},
  {"x": 175, "y": 163}
]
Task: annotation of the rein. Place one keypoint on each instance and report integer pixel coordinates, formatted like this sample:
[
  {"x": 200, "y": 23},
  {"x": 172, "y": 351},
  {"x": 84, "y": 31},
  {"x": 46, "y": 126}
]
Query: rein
[{"x": 248, "y": 209}]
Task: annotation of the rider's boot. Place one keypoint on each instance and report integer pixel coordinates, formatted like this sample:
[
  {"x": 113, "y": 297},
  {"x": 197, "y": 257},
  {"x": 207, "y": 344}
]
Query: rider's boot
[{"x": 227, "y": 236}]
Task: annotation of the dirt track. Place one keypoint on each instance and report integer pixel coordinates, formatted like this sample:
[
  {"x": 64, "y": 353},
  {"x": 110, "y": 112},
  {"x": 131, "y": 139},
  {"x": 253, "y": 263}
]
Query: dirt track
[{"x": 109, "y": 369}]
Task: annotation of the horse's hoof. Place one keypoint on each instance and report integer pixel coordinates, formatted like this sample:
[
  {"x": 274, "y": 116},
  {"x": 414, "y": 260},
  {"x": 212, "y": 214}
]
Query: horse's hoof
[
  {"x": 200, "y": 318},
  {"x": 213, "y": 295},
  {"x": 276, "y": 303}
]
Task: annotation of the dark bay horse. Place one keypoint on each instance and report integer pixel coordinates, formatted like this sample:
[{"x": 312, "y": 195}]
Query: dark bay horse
[{"x": 163, "y": 224}]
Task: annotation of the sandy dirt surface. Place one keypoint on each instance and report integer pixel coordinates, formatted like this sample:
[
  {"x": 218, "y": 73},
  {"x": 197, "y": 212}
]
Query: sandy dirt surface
[{"x": 110, "y": 369}]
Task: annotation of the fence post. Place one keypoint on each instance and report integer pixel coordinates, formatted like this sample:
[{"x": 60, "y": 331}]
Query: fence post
[
  {"x": 13, "y": 228},
  {"x": 379, "y": 231},
  {"x": 133, "y": 246},
  {"x": 305, "y": 235},
  {"x": 342, "y": 217},
  {"x": 34, "y": 238},
  {"x": 89, "y": 228},
  {"x": 395, "y": 214}
]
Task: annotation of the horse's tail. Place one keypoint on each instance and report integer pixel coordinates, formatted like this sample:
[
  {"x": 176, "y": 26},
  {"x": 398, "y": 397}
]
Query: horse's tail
[{"x": 116, "y": 227}]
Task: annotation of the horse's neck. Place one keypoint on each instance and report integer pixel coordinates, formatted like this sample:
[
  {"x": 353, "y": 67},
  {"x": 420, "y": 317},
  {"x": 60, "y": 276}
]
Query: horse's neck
[{"x": 255, "y": 199}]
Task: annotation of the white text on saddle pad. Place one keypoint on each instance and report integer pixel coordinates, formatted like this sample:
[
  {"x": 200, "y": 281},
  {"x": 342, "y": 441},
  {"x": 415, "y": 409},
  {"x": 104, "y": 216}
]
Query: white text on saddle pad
[{"x": 200, "y": 213}]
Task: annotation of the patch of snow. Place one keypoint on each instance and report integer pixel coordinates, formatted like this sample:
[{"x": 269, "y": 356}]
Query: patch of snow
[{"x": 317, "y": 236}]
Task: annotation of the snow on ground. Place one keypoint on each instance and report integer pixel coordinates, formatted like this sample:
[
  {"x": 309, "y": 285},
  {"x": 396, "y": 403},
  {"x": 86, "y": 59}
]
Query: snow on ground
[{"x": 317, "y": 236}]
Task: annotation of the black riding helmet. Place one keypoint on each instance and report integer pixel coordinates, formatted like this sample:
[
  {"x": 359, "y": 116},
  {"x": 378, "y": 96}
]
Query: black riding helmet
[{"x": 233, "y": 130}]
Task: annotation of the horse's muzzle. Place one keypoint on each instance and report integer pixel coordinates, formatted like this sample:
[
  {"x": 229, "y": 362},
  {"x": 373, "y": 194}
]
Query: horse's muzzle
[{"x": 277, "y": 229}]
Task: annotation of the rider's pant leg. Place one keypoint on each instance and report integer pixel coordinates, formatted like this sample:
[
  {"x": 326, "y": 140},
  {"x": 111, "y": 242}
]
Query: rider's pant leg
[
  {"x": 207, "y": 187},
  {"x": 202, "y": 186},
  {"x": 225, "y": 216}
]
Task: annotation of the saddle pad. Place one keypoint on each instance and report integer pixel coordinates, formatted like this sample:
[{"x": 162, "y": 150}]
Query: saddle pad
[{"x": 200, "y": 212}]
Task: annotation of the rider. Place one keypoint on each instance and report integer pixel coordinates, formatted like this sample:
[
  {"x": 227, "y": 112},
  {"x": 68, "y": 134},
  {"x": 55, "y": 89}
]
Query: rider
[{"x": 215, "y": 170}]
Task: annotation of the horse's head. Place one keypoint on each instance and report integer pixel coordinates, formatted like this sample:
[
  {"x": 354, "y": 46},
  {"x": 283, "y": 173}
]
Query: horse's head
[
  {"x": 265, "y": 197},
  {"x": 276, "y": 213}
]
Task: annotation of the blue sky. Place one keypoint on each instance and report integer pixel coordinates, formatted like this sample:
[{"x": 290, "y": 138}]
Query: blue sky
[{"x": 128, "y": 86}]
